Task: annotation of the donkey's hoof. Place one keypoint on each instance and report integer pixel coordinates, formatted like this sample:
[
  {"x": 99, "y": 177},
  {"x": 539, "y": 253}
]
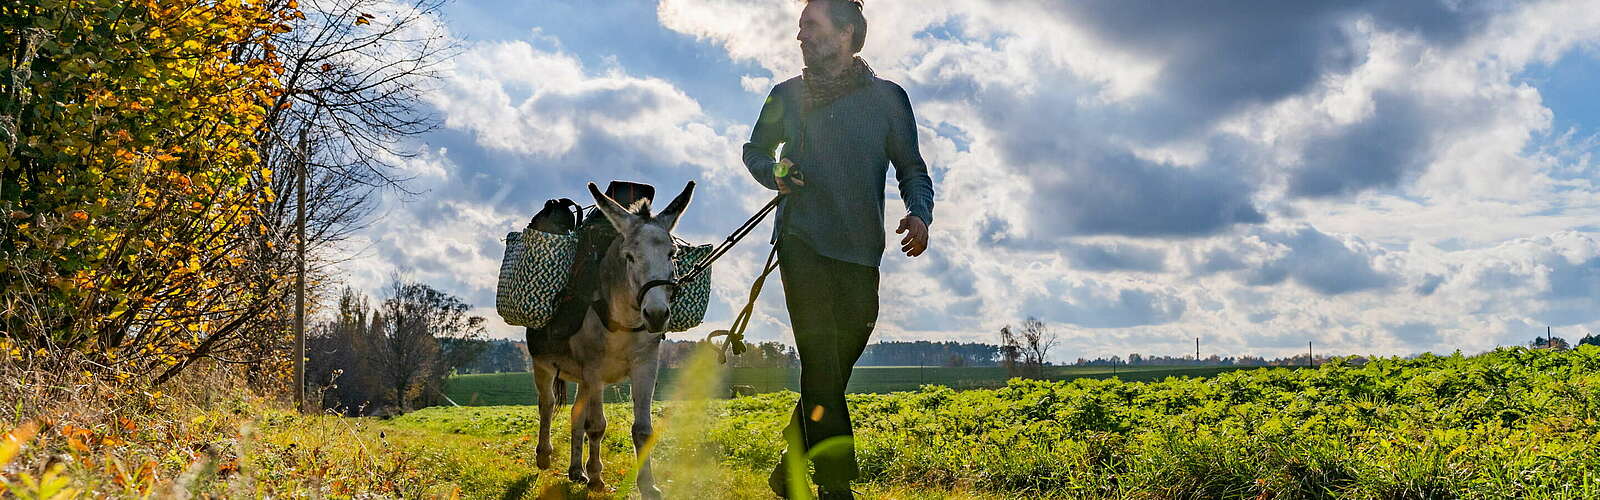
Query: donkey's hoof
[
  {"x": 649, "y": 492},
  {"x": 597, "y": 484},
  {"x": 542, "y": 459},
  {"x": 576, "y": 475}
]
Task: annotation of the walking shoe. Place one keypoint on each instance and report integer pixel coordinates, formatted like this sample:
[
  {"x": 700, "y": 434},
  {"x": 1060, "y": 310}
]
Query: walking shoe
[
  {"x": 835, "y": 493},
  {"x": 778, "y": 481}
]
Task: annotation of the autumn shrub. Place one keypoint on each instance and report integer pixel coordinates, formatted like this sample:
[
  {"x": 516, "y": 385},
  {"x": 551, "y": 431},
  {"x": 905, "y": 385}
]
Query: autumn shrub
[{"x": 130, "y": 183}]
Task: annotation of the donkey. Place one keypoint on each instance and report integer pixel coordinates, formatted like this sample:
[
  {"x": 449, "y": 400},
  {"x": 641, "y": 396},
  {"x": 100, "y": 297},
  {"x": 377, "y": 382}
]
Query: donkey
[{"x": 620, "y": 337}]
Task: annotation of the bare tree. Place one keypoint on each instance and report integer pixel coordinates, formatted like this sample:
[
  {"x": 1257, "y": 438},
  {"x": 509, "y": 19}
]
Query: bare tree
[
  {"x": 1037, "y": 341},
  {"x": 1024, "y": 351},
  {"x": 355, "y": 71},
  {"x": 407, "y": 354}
]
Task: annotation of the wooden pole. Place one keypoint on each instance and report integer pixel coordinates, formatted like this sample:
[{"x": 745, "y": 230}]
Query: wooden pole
[
  {"x": 1197, "y": 350},
  {"x": 1310, "y": 361},
  {"x": 300, "y": 279}
]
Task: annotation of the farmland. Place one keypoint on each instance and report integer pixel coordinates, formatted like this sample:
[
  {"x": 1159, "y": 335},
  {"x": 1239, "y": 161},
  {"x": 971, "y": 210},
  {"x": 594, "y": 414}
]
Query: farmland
[
  {"x": 516, "y": 388},
  {"x": 1514, "y": 423}
]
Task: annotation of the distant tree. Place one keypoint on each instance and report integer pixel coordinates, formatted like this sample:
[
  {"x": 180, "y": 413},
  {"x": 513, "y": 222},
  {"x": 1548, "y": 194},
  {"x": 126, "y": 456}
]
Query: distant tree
[
  {"x": 1553, "y": 342},
  {"x": 1037, "y": 341},
  {"x": 408, "y": 354},
  {"x": 336, "y": 363},
  {"x": 955, "y": 361},
  {"x": 1011, "y": 351},
  {"x": 923, "y": 352},
  {"x": 767, "y": 354},
  {"x": 1590, "y": 339},
  {"x": 499, "y": 356}
]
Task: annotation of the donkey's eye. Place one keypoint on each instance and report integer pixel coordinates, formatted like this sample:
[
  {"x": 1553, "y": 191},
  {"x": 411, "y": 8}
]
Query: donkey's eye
[{"x": 629, "y": 256}]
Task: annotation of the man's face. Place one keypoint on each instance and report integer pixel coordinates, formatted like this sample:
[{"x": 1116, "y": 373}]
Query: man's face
[{"x": 820, "y": 40}]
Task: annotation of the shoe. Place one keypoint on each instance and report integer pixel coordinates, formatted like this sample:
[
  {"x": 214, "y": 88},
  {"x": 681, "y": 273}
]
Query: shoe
[
  {"x": 778, "y": 481},
  {"x": 835, "y": 493}
]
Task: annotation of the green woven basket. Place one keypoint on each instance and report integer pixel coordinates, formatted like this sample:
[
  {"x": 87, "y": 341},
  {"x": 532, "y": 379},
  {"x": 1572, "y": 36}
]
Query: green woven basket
[
  {"x": 532, "y": 273},
  {"x": 689, "y": 305}
]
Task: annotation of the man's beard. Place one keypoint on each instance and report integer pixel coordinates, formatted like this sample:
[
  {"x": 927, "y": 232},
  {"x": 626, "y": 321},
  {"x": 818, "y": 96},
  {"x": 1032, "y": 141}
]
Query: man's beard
[{"x": 815, "y": 56}]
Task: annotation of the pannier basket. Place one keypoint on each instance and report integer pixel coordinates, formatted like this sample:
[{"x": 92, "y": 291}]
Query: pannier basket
[{"x": 533, "y": 273}]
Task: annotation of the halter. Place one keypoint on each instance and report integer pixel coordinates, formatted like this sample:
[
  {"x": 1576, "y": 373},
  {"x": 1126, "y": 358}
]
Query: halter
[{"x": 601, "y": 308}]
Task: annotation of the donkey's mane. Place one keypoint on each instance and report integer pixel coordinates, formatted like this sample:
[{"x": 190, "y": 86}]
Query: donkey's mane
[{"x": 640, "y": 208}]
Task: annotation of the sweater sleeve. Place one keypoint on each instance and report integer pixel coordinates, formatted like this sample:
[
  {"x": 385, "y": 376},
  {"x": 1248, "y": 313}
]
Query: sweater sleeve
[
  {"x": 759, "y": 153},
  {"x": 916, "y": 187}
]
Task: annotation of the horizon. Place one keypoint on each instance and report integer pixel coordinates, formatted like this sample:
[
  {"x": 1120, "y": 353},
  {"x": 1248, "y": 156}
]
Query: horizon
[{"x": 1372, "y": 178}]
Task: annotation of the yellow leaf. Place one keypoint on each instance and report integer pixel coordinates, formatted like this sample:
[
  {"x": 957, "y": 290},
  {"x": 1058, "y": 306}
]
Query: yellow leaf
[
  {"x": 362, "y": 20},
  {"x": 12, "y": 442}
]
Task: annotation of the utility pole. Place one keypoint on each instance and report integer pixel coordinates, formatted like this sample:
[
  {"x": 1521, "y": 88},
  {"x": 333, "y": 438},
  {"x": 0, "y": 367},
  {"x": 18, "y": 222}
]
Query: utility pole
[
  {"x": 300, "y": 278},
  {"x": 1311, "y": 361},
  {"x": 1197, "y": 350}
]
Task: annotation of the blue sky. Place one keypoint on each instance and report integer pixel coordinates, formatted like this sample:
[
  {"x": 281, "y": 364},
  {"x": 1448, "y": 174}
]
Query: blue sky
[{"x": 1375, "y": 177}]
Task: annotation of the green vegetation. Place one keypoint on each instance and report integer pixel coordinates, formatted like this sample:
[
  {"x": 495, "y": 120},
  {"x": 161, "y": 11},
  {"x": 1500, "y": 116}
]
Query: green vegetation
[
  {"x": 516, "y": 388},
  {"x": 1513, "y": 423}
]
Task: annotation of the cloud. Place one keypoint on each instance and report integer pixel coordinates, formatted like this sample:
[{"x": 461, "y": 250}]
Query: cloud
[
  {"x": 1371, "y": 176},
  {"x": 1321, "y": 263},
  {"x": 1095, "y": 304},
  {"x": 1415, "y": 333},
  {"x": 1115, "y": 257}
]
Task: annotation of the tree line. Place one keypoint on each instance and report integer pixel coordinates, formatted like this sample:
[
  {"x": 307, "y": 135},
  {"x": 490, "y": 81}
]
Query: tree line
[{"x": 392, "y": 356}]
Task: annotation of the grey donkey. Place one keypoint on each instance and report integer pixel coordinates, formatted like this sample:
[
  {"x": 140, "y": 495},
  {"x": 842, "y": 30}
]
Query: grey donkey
[{"x": 620, "y": 338}]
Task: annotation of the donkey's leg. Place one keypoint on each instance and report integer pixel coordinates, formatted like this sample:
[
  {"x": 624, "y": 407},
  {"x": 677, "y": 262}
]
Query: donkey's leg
[
  {"x": 597, "y": 429},
  {"x": 544, "y": 380},
  {"x": 643, "y": 376},
  {"x": 580, "y": 419}
]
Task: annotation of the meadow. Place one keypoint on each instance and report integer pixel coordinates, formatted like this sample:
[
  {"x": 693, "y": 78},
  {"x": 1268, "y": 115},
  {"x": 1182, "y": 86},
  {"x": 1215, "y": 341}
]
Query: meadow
[
  {"x": 516, "y": 388},
  {"x": 1512, "y": 423}
]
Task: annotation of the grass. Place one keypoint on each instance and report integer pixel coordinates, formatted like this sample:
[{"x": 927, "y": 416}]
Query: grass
[
  {"x": 516, "y": 388},
  {"x": 1512, "y": 423}
]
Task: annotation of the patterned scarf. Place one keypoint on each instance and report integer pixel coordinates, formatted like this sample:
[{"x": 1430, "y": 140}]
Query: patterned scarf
[{"x": 822, "y": 90}]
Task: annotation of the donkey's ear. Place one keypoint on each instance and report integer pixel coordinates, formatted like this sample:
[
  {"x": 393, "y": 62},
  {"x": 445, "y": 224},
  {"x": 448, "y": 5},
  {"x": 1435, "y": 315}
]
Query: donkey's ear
[
  {"x": 619, "y": 217},
  {"x": 669, "y": 216}
]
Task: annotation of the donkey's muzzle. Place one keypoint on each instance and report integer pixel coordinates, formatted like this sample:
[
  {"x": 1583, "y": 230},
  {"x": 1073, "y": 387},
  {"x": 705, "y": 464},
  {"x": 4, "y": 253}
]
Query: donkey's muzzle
[{"x": 657, "y": 318}]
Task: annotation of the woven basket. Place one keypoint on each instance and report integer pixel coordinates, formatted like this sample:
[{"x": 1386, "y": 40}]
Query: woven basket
[
  {"x": 533, "y": 272},
  {"x": 689, "y": 304}
]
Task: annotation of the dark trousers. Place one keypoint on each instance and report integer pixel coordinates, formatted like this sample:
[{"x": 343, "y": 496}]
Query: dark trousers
[{"x": 832, "y": 307}]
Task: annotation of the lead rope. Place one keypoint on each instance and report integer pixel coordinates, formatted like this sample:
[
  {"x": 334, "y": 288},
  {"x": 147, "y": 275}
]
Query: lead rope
[
  {"x": 735, "y": 333},
  {"x": 727, "y": 244}
]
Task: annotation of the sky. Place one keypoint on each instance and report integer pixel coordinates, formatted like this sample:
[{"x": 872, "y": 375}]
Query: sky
[{"x": 1373, "y": 177}]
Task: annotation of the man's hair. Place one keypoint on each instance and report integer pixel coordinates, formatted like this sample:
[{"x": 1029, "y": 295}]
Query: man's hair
[{"x": 848, "y": 13}]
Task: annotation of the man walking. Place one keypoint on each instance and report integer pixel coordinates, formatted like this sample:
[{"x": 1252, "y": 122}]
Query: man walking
[{"x": 840, "y": 127}]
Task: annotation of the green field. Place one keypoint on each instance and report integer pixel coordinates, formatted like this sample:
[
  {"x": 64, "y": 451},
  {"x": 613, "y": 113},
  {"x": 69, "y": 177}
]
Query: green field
[
  {"x": 1513, "y": 423},
  {"x": 516, "y": 388}
]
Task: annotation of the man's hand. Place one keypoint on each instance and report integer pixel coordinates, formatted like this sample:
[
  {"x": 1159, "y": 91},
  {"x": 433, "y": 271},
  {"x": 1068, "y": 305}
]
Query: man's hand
[
  {"x": 785, "y": 167},
  {"x": 916, "y": 242}
]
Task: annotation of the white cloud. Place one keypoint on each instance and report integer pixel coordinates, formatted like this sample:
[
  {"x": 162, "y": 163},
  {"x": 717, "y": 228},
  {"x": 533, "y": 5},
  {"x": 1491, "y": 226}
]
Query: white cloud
[{"x": 1472, "y": 177}]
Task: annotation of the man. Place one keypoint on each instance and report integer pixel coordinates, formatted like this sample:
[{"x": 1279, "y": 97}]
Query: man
[{"x": 840, "y": 127}]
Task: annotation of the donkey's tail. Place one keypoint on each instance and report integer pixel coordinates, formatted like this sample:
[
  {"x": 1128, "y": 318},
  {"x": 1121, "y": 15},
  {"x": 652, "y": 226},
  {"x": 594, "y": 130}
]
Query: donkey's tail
[{"x": 560, "y": 391}]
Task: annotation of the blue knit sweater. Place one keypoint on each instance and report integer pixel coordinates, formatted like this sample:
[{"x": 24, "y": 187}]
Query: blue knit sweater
[{"x": 844, "y": 154}]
